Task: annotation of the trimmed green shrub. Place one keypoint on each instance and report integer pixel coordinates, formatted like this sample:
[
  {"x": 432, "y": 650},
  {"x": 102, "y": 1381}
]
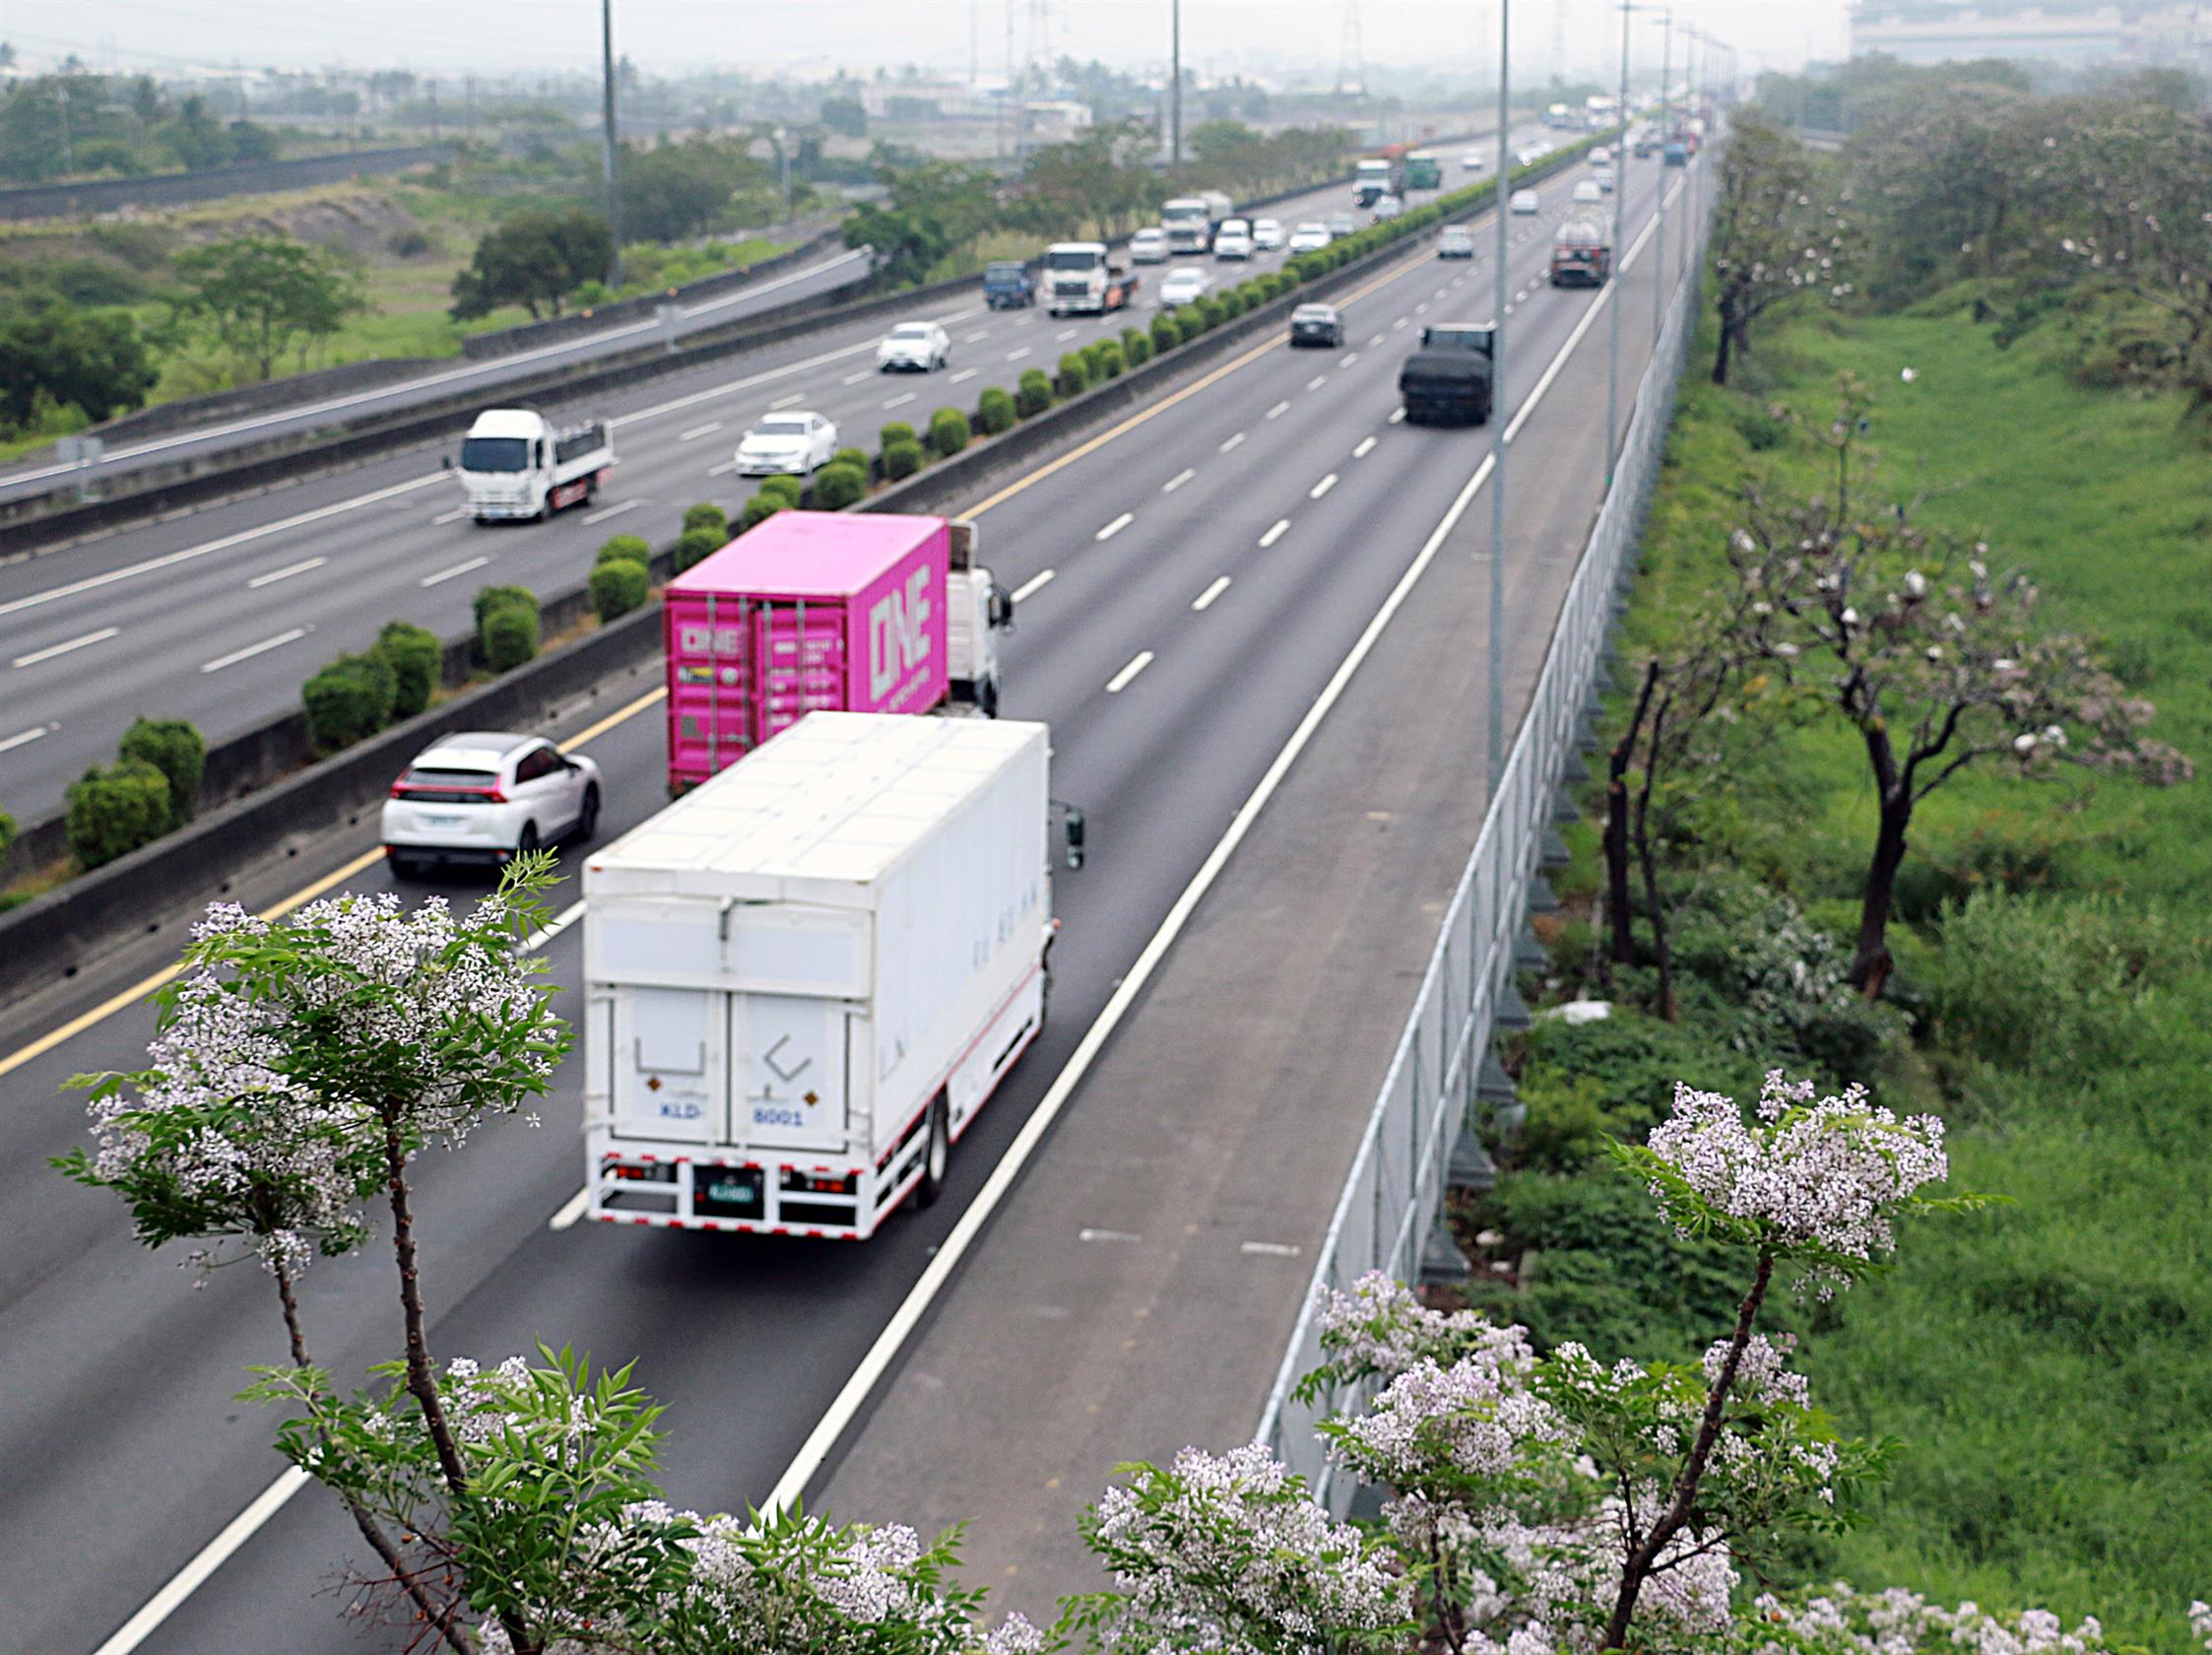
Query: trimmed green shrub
[
  {"x": 994, "y": 412},
  {"x": 852, "y": 458},
  {"x": 790, "y": 490},
  {"x": 1166, "y": 333},
  {"x": 898, "y": 430},
  {"x": 837, "y": 487},
  {"x": 696, "y": 546},
  {"x": 1110, "y": 362},
  {"x": 1032, "y": 393},
  {"x": 949, "y": 431},
  {"x": 706, "y": 515},
  {"x": 112, "y": 812},
  {"x": 1210, "y": 308},
  {"x": 629, "y": 548},
  {"x": 761, "y": 508},
  {"x": 7, "y": 834},
  {"x": 619, "y": 587},
  {"x": 510, "y": 632},
  {"x": 417, "y": 659},
  {"x": 1072, "y": 379},
  {"x": 903, "y": 459},
  {"x": 352, "y": 697},
  {"x": 1190, "y": 322},
  {"x": 177, "y": 750},
  {"x": 489, "y": 598}
]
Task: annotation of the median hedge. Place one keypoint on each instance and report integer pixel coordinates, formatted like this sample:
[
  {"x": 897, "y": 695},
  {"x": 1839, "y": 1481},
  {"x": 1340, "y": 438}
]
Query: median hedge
[
  {"x": 784, "y": 487},
  {"x": 350, "y": 699},
  {"x": 1032, "y": 393},
  {"x": 839, "y": 486},
  {"x": 948, "y": 433},
  {"x": 694, "y": 546},
  {"x": 902, "y": 460},
  {"x": 761, "y": 508},
  {"x": 177, "y": 750},
  {"x": 994, "y": 412},
  {"x": 507, "y": 625},
  {"x": 706, "y": 515},
  {"x": 112, "y": 812},
  {"x": 619, "y": 587},
  {"x": 625, "y": 548},
  {"x": 417, "y": 658}
]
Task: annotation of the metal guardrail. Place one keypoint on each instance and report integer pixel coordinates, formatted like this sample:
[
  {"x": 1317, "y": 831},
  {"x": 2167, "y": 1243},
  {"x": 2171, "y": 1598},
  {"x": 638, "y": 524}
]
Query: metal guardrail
[{"x": 1395, "y": 1188}]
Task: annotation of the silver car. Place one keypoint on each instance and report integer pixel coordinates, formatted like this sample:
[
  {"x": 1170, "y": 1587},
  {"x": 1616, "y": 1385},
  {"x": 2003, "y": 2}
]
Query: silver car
[{"x": 484, "y": 796}]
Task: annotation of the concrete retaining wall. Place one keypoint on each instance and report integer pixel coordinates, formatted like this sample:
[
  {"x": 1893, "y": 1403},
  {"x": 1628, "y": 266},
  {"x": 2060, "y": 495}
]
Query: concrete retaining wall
[
  {"x": 293, "y": 389},
  {"x": 180, "y": 189}
]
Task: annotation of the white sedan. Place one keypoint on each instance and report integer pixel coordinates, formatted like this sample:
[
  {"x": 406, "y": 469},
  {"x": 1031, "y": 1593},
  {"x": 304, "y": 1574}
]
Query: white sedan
[
  {"x": 1266, "y": 235},
  {"x": 921, "y": 347},
  {"x": 1309, "y": 239},
  {"x": 787, "y": 445},
  {"x": 1186, "y": 286},
  {"x": 1527, "y": 202},
  {"x": 484, "y": 796},
  {"x": 1471, "y": 161}
]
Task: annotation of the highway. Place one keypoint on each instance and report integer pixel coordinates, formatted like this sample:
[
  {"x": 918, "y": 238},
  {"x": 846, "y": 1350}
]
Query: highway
[
  {"x": 1187, "y": 585},
  {"x": 219, "y": 616}
]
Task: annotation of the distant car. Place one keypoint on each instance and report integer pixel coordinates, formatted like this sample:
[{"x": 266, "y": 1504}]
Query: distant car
[
  {"x": 482, "y": 797},
  {"x": 1341, "y": 223},
  {"x": 1532, "y": 155},
  {"x": 1317, "y": 324},
  {"x": 1600, "y": 157},
  {"x": 1185, "y": 286},
  {"x": 1455, "y": 241},
  {"x": 1233, "y": 240},
  {"x": 1309, "y": 239},
  {"x": 1605, "y": 177},
  {"x": 1588, "y": 190},
  {"x": 788, "y": 446},
  {"x": 1473, "y": 161},
  {"x": 1149, "y": 246},
  {"x": 1009, "y": 286},
  {"x": 1525, "y": 203},
  {"x": 1266, "y": 235},
  {"x": 1387, "y": 208},
  {"x": 914, "y": 348}
]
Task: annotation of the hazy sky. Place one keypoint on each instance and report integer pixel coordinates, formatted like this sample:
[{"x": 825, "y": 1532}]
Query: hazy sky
[{"x": 503, "y": 37}]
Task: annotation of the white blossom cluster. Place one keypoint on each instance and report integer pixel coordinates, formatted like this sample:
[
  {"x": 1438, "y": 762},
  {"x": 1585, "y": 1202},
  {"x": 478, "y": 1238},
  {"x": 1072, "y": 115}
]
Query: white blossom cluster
[
  {"x": 1476, "y": 1416},
  {"x": 1822, "y": 1177},
  {"x": 1843, "y": 1621},
  {"x": 1381, "y": 1328},
  {"x": 1220, "y": 1546}
]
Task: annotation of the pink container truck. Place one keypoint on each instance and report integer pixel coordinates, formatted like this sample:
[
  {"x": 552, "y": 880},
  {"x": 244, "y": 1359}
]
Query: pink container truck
[{"x": 826, "y": 612}]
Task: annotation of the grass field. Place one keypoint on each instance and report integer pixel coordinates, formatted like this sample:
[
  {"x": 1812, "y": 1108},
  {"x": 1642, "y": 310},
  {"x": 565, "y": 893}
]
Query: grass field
[{"x": 2043, "y": 1364}]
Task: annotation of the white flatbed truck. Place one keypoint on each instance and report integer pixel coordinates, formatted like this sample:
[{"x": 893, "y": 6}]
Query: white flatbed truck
[{"x": 804, "y": 977}]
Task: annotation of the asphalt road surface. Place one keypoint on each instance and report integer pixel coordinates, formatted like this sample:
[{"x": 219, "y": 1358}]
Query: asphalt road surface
[
  {"x": 219, "y": 617},
  {"x": 1187, "y": 589}
]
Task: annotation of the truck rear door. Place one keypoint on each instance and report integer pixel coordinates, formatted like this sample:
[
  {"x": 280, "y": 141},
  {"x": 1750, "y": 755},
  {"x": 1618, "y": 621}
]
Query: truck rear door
[
  {"x": 790, "y": 1076},
  {"x": 670, "y": 1072}
]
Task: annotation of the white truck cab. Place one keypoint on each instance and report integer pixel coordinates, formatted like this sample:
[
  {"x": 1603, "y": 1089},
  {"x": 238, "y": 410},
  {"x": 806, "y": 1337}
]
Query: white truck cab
[{"x": 514, "y": 463}]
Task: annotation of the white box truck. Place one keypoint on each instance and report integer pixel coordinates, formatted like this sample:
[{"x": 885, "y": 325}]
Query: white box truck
[{"x": 804, "y": 977}]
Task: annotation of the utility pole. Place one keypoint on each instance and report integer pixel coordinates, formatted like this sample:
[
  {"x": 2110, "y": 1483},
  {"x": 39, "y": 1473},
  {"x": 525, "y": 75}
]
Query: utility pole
[
  {"x": 1175, "y": 84},
  {"x": 433, "y": 86},
  {"x": 469, "y": 105},
  {"x": 1620, "y": 192},
  {"x": 1658, "y": 242},
  {"x": 607, "y": 144},
  {"x": 1496, "y": 742}
]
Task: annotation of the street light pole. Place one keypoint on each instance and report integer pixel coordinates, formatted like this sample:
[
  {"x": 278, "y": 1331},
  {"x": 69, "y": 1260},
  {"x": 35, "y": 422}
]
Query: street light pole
[
  {"x": 1175, "y": 84},
  {"x": 1620, "y": 177},
  {"x": 1496, "y": 743},
  {"x": 1658, "y": 248},
  {"x": 607, "y": 140}
]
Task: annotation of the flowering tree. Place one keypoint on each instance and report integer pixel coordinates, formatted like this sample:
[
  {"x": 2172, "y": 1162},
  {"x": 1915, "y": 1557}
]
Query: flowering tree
[
  {"x": 1773, "y": 238},
  {"x": 1934, "y": 662}
]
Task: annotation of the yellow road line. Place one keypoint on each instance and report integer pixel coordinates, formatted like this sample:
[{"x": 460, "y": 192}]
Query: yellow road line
[{"x": 138, "y": 991}]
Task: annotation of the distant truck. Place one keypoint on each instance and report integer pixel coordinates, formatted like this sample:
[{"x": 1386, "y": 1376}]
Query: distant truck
[
  {"x": 515, "y": 464},
  {"x": 1447, "y": 380},
  {"x": 1080, "y": 278},
  {"x": 1581, "y": 256},
  {"x": 1009, "y": 286},
  {"x": 802, "y": 980},
  {"x": 1374, "y": 178},
  {"x": 1192, "y": 220},
  {"x": 1424, "y": 170},
  {"x": 1676, "y": 153},
  {"x": 808, "y": 611}
]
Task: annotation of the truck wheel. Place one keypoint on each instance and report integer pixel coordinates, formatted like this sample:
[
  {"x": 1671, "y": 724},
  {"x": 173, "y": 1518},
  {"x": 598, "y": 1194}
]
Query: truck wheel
[
  {"x": 987, "y": 697},
  {"x": 935, "y": 1153}
]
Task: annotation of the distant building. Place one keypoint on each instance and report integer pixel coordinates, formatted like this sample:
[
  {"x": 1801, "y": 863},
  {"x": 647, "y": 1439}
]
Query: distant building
[
  {"x": 1053, "y": 120},
  {"x": 2075, "y": 34}
]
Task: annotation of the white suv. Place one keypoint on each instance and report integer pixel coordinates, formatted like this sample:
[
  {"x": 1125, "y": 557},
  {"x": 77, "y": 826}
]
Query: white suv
[{"x": 481, "y": 796}]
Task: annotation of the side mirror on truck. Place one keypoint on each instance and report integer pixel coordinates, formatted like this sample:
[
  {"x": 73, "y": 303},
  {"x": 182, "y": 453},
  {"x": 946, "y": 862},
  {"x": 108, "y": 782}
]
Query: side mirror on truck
[
  {"x": 445, "y": 462},
  {"x": 1000, "y": 608},
  {"x": 1072, "y": 827}
]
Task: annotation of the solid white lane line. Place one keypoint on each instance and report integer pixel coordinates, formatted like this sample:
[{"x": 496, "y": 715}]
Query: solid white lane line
[
  {"x": 1177, "y": 480},
  {"x": 855, "y": 378},
  {"x": 697, "y": 432},
  {"x": 94, "y": 582},
  {"x": 446, "y": 575},
  {"x": 1282, "y": 528},
  {"x": 1323, "y": 487},
  {"x": 1574, "y": 339},
  {"x": 285, "y": 573},
  {"x": 52, "y": 650},
  {"x": 1397, "y": 417},
  {"x": 1204, "y": 600},
  {"x": 211, "y": 1557},
  {"x": 1120, "y": 680},
  {"x": 1116, "y": 526},
  {"x": 1366, "y": 447},
  {"x": 1279, "y": 409},
  {"x": 253, "y": 649},
  {"x": 1064, "y": 333},
  {"x": 616, "y": 510},
  {"x": 1033, "y": 585},
  {"x": 1017, "y": 354},
  {"x": 1350, "y": 357},
  {"x": 1231, "y": 442},
  {"x": 901, "y": 400},
  {"x": 964, "y": 373},
  {"x": 453, "y": 516}
]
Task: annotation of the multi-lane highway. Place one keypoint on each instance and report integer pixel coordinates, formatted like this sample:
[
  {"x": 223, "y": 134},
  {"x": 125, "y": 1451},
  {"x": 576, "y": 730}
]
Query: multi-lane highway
[
  {"x": 219, "y": 616},
  {"x": 1188, "y": 587}
]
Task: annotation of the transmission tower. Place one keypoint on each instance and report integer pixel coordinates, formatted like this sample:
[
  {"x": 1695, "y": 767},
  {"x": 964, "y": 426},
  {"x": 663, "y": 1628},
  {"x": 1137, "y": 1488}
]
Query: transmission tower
[
  {"x": 1351, "y": 57},
  {"x": 1040, "y": 63},
  {"x": 1559, "y": 43}
]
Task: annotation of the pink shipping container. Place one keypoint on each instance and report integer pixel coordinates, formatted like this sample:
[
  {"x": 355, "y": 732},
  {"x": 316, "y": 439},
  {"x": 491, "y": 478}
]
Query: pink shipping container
[{"x": 808, "y": 611}]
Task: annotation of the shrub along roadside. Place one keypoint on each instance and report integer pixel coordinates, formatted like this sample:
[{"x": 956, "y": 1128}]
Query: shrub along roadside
[
  {"x": 348, "y": 700},
  {"x": 416, "y": 656},
  {"x": 112, "y": 812},
  {"x": 177, "y": 750}
]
